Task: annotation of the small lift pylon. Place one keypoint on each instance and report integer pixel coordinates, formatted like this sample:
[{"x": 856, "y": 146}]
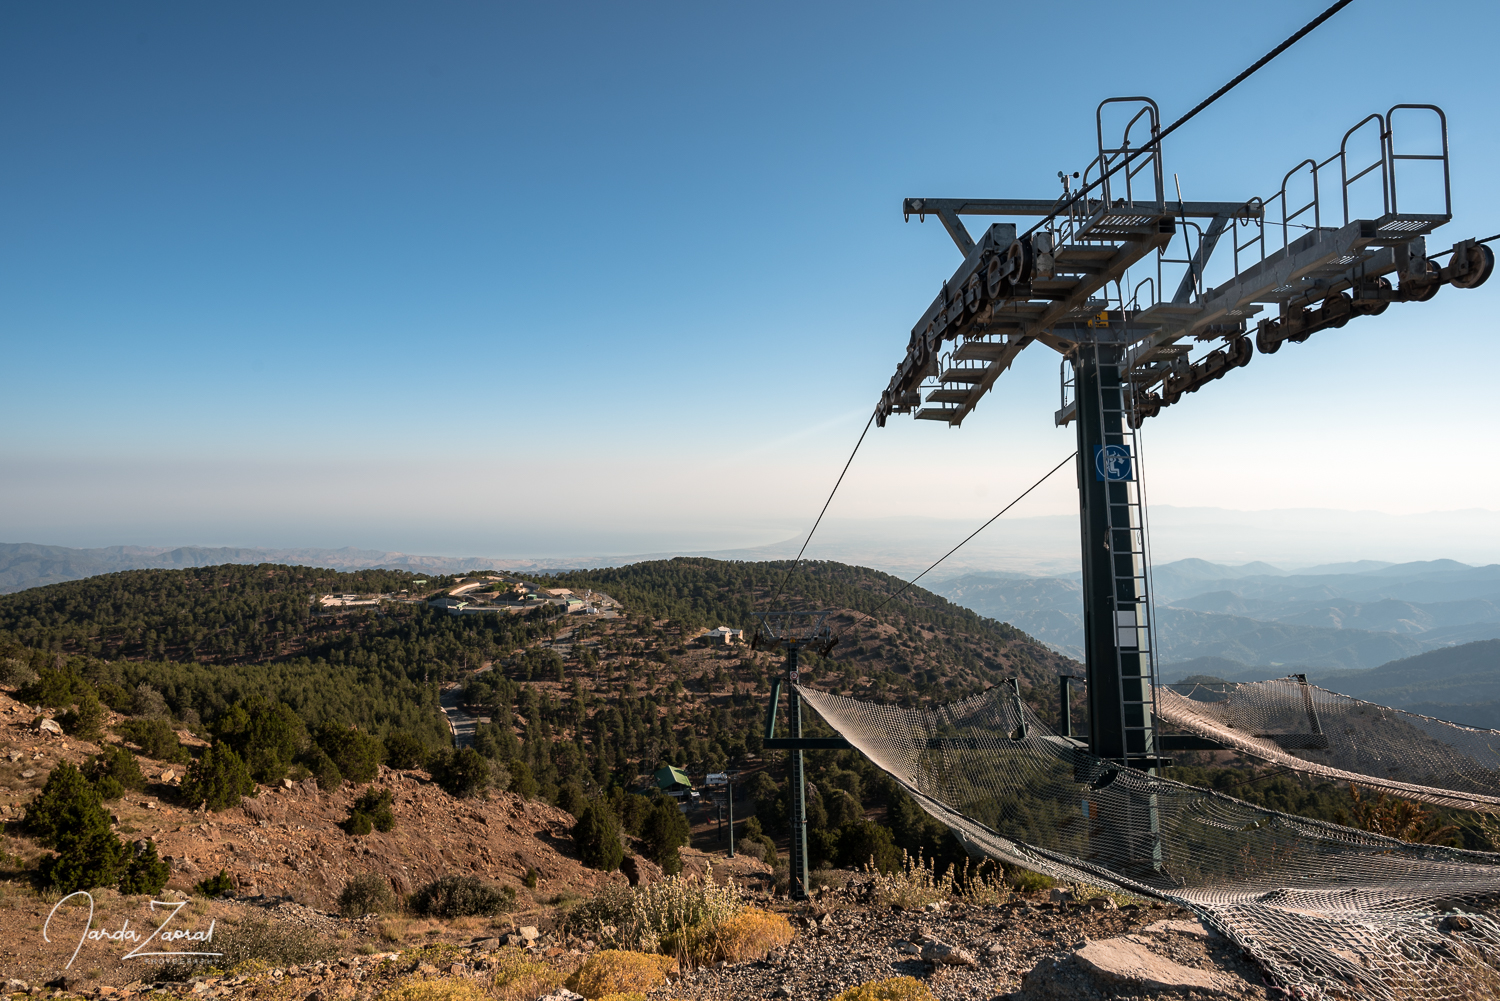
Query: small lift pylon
[{"x": 791, "y": 633}]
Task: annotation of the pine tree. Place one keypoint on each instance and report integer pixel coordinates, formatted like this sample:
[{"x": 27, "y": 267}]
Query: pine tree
[
  {"x": 67, "y": 815},
  {"x": 85, "y": 721},
  {"x": 88, "y": 856},
  {"x": 62, "y": 805},
  {"x": 145, "y": 871},
  {"x": 218, "y": 779},
  {"x": 597, "y": 836}
]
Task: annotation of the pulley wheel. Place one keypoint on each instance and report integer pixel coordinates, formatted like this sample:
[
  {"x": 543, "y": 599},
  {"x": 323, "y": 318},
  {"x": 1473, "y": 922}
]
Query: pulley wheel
[
  {"x": 1266, "y": 340},
  {"x": 1240, "y": 352},
  {"x": 995, "y": 273},
  {"x": 1422, "y": 289},
  {"x": 1020, "y": 261},
  {"x": 1337, "y": 309},
  {"x": 1481, "y": 264}
]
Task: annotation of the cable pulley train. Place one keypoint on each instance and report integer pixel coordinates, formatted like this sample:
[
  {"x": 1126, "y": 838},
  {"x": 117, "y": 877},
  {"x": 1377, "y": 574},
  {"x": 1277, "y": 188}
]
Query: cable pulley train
[{"x": 1125, "y": 283}]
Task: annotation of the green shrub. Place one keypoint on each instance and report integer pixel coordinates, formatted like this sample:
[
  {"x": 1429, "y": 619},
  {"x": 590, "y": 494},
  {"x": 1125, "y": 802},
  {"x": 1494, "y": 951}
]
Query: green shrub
[
  {"x": 461, "y": 773},
  {"x": 55, "y": 687},
  {"x": 67, "y": 815},
  {"x": 145, "y": 871},
  {"x": 371, "y": 810},
  {"x": 367, "y": 893},
  {"x": 404, "y": 750},
  {"x": 218, "y": 779},
  {"x": 461, "y": 897},
  {"x": 572, "y": 798},
  {"x": 522, "y": 782},
  {"x": 115, "y": 764},
  {"x": 64, "y": 804},
  {"x": 216, "y": 886},
  {"x": 324, "y": 769},
  {"x": 256, "y": 942},
  {"x": 266, "y": 735},
  {"x": 1026, "y": 881},
  {"x": 155, "y": 738},
  {"x": 866, "y": 843},
  {"x": 88, "y": 856},
  {"x": 597, "y": 836},
  {"x": 663, "y": 831},
  {"x": 356, "y": 753},
  {"x": 86, "y": 720}
]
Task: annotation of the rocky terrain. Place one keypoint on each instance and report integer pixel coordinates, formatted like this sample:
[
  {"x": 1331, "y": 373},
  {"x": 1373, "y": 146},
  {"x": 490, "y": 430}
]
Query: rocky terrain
[{"x": 1025, "y": 949}]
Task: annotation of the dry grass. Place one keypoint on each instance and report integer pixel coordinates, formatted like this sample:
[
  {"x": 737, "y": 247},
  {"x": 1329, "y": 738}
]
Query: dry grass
[
  {"x": 894, "y": 989},
  {"x": 519, "y": 977},
  {"x": 914, "y": 885},
  {"x": 444, "y": 989},
  {"x": 751, "y": 934},
  {"x": 393, "y": 929},
  {"x": 615, "y": 971},
  {"x": 984, "y": 883}
]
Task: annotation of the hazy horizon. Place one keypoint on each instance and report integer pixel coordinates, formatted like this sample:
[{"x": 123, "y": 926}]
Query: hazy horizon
[{"x": 467, "y": 279}]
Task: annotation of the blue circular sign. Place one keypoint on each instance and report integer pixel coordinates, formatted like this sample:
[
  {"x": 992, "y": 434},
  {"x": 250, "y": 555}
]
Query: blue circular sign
[{"x": 1112, "y": 462}]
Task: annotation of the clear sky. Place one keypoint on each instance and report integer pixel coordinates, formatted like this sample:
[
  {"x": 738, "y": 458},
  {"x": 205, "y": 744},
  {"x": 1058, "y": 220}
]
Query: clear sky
[{"x": 538, "y": 279}]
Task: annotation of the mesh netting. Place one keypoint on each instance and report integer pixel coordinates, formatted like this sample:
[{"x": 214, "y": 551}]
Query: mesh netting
[
  {"x": 1311, "y": 729},
  {"x": 1328, "y": 910}
]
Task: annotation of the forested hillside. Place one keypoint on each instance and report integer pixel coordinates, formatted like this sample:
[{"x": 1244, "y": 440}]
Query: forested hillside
[{"x": 574, "y": 707}]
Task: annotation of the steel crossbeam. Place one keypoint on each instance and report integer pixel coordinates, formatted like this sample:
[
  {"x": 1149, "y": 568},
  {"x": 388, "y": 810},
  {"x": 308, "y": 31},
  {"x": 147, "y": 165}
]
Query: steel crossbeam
[{"x": 1102, "y": 261}]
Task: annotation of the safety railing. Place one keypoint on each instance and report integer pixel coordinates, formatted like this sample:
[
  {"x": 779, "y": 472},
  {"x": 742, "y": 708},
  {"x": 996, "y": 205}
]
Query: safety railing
[{"x": 1248, "y": 234}]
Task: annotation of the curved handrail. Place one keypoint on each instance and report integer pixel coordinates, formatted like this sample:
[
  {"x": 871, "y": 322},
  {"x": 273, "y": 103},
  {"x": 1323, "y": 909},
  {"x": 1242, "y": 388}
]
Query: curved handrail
[
  {"x": 1149, "y": 152},
  {"x": 1287, "y": 218},
  {"x": 1382, "y": 163},
  {"x": 1393, "y": 156}
]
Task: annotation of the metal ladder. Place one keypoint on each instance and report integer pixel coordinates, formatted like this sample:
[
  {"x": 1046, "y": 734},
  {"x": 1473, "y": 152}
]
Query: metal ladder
[{"x": 1119, "y": 464}]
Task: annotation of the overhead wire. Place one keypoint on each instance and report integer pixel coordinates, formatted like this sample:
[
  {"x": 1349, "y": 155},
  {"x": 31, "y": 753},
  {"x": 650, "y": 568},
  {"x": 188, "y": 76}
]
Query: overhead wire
[
  {"x": 1020, "y": 497},
  {"x": 819, "y": 521}
]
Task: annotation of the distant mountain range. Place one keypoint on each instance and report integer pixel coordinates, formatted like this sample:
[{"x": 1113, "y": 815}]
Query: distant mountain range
[
  {"x": 24, "y": 565},
  {"x": 1460, "y": 684},
  {"x": 1344, "y": 616}
]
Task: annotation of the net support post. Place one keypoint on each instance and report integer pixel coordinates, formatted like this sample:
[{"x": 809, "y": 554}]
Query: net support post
[{"x": 797, "y": 794}]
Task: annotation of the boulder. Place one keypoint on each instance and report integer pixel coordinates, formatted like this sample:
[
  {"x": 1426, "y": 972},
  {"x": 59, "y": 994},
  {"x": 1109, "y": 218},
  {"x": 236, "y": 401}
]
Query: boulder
[
  {"x": 561, "y": 994},
  {"x": 1122, "y": 967},
  {"x": 48, "y": 725},
  {"x": 1196, "y": 929},
  {"x": 947, "y": 955},
  {"x": 641, "y": 871}
]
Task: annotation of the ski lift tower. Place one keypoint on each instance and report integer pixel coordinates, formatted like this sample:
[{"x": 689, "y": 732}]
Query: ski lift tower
[
  {"x": 1115, "y": 277},
  {"x": 793, "y": 632}
]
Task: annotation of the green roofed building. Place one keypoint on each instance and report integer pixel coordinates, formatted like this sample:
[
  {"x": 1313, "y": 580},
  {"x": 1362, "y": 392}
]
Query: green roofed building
[{"x": 673, "y": 781}]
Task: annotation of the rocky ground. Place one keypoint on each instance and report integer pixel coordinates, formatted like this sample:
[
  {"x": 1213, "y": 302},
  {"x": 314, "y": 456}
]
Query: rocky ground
[{"x": 1028, "y": 948}]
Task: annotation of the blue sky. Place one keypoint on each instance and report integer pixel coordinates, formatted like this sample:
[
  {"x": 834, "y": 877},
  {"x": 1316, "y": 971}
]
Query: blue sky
[{"x": 477, "y": 278}]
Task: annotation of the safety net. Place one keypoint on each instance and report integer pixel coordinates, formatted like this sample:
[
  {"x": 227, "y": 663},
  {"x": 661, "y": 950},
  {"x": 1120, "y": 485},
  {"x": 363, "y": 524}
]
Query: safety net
[
  {"x": 1301, "y": 726},
  {"x": 1328, "y": 910}
]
